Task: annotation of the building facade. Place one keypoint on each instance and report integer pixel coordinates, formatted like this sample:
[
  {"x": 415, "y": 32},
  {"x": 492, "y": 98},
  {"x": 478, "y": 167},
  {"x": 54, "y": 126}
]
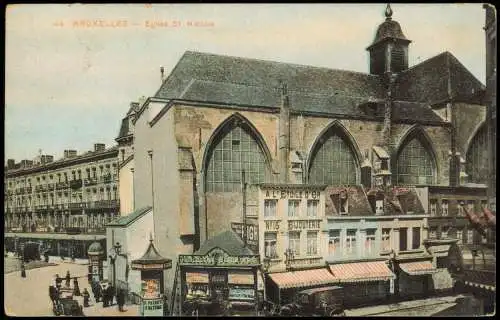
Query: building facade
[
  {"x": 397, "y": 126},
  {"x": 69, "y": 199}
]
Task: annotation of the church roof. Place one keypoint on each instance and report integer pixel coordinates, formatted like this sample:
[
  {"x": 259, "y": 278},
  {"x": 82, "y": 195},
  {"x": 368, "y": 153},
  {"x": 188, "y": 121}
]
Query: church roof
[
  {"x": 243, "y": 82},
  {"x": 228, "y": 241},
  {"x": 436, "y": 80},
  {"x": 129, "y": 218}
]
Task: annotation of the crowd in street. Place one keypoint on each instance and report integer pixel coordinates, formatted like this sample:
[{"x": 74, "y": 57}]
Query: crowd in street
[{"x": 101, "y": 291}]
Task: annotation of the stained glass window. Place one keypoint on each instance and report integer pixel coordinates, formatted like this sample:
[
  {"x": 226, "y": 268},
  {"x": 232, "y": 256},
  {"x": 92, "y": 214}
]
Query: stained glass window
[
  {"x": 333, "y": 162},
  {"x": 234, "y": 151},
  {"x": 415, "y": 165},
  {"x": 476, "y": 166}
]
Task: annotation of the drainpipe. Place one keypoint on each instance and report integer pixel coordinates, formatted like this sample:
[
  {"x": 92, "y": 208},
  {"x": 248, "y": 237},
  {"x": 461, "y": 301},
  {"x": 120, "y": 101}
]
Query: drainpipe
[{"x": 284, "y": 133}]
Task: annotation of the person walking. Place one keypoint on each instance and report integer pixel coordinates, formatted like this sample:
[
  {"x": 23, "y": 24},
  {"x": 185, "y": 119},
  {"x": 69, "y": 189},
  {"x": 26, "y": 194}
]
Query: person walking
[
  {"x": 86, "y": 298},
  {"x": 53, "y": 294},
  {"x": 76, "y": 287},
  {"x": 58, "y": 282},
  {"x": 105, "y": 296},
  {"x": 23, "y": 270},
  {"x": 68, "y": 279},
  {"x": 120, "y": 300},
  {"x": 46, "y": 256}
]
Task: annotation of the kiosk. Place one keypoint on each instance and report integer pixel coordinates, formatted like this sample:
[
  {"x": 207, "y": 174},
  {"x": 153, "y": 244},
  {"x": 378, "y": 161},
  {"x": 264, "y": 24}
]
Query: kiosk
[
  {"x": 152, "y": 265},
  {"x": 96, "y": 258}
]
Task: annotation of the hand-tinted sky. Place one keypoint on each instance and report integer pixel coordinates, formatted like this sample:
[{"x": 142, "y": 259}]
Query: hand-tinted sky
[{"x": 68, "y": 87}]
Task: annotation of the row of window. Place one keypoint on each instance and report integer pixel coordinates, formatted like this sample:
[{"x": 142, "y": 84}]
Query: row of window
[
  {"x": 333, "y": 160},
  {"x": 461, "y": 206},
  {"x": 343, "y": 246},
  {"x": 104, "y": 170},
  {"x": 294, "y": 208},
  {"x": 463, "y": 238}
]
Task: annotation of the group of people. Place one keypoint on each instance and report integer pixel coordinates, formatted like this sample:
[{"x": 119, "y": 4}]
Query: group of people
[{"x": 107, "y": 293}]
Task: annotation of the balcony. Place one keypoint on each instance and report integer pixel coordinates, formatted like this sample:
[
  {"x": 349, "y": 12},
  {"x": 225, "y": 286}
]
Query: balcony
[
  {"x": 62, "y": 185},
  {"x": 91, "y": 181},
  {"x": 103, "y": 204},
  {"x": 77, "y": 205},
  {"x": 76, "y": 184}
]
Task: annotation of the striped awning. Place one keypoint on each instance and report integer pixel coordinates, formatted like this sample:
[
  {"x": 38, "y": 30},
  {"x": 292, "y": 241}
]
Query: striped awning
[
  {"x": 197, "y": 277},
  {"x": 302, "y": 278},
  {"x": 235, "y": 277},
  {"x": 362, "y": 271},
  {"x": 418, "y": 268}
]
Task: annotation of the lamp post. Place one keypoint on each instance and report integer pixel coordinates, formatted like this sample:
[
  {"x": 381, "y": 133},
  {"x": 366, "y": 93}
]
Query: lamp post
[
  {"x": 114, "y": 252},
  {"x": 289, "y": 256}
]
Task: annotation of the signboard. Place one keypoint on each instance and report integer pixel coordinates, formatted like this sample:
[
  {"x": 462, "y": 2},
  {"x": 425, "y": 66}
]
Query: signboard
[
  {"x": 272, "y": 225},
  {"x": 140, "y": 266},
  {"x": 218, "y": 257},
  {"x": 197, "y": 277},
  {"x": 246, "y": 278},
  {"x": 303, "y": 224},
  {"x": 252, "y": 234},
  {"x": 150, "y": 289},
  {"x": 152, "y": 307},
  {"x": 284, "y": 192}
]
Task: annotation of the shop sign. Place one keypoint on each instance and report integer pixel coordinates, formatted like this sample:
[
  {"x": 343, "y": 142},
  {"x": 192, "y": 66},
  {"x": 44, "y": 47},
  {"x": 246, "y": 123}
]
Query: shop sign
[
  {"x": 272, "y": 225},
  {"x": 286, "y": 192},
  {"x": 166, "y": 265},
  {"x": 240, "y": 278},
  {"x": 218, "y": 257},
  {"x": 303, "y": 224},
  {"x": 252, "y": 234},
  {"x": 152, "y": 307}
]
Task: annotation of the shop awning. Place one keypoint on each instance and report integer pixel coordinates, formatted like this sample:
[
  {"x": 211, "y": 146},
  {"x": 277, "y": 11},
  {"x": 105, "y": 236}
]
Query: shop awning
[
  {"x": 197, "y": 277},
  {"x": 417, "y": 268},
  {"x": 362, "y": 271},
  {"x": 302, "y": 278},
  {"x": 234, "y": 277}
]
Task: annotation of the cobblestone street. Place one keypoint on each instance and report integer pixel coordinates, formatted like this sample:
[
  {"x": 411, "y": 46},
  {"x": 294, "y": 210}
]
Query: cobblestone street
[{"x": 30, "y": 297}]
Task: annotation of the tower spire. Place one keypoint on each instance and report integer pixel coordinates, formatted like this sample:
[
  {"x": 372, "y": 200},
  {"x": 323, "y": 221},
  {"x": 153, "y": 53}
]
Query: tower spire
[{"x": 388, "y": 12}]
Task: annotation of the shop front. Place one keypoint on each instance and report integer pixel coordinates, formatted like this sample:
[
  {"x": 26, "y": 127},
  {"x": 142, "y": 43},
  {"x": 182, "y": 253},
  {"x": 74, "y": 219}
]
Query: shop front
[
  {"x": 415, "y": 278},
  {"x": 282, "y": 287},
  {"x": 364, "y": 283},
  {"x": 219, "y": 281}
]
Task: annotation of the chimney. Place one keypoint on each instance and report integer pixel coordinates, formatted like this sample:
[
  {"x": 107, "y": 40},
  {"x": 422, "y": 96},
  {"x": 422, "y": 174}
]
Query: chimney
[
  {"x": 69, "y": 154},
  {"x": 44, "y": 159},
  {"x": 99, "y": 147},
  {"x": 11, "y": 164},
  {"x": 162, "y": 71},
  {"x": 26, "y": 164}
]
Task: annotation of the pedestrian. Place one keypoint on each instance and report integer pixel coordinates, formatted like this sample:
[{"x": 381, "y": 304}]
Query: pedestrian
[
  {"x": 46, "y": 256},
  {"x": 72, "y": 257},
  {"x": 53, "y": 294},
  {"x": 68, "y": 279},
  {"x": 98, "y": 292},
  {"x": 120, "y": 300},
  {"x": 86, "y": 297},
  {"x": 105, "y": 297},
  {"x": 58, "y": 282},
  {"x": 76, "y": 287},
  {"x": 23, "y": 270}
]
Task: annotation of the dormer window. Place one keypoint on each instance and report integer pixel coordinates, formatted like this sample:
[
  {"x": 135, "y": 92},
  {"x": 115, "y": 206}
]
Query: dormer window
[{"x": 384, "y": 164}]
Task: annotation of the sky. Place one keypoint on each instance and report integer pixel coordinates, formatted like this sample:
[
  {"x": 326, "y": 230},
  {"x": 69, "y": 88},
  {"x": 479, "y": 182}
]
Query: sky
[{"x": 68, "y": 83}]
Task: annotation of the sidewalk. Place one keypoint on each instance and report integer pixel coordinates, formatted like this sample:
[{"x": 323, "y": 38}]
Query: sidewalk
[
  {"x": 389, "y": 308},
  {"x": 96, "y": 309}
]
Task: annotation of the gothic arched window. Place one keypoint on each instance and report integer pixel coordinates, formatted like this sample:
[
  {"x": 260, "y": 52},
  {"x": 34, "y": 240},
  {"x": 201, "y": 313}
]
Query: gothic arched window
[
  {"x": 415, "y": 164},
  {"x": 233, "y": 150},
  {"x": 477, "y": 157},
  {"x": 333, "y": 161}
]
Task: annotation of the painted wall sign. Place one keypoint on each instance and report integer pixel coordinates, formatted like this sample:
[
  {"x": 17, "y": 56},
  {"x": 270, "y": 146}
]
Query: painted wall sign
[
  {"x": 166, "y": 265},
  {"x": 284, "y": 193},
  {"x": 218, "y": 257},
  {"x": 303, "y": 224},
  {"x": 272, "y": 225},
  {"x": 252, "y": 234}
]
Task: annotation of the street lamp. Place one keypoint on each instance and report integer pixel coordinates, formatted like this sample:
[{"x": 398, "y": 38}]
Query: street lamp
[
  {"x": 289, "y": 256},
  {"x": 114, "y": 252}
]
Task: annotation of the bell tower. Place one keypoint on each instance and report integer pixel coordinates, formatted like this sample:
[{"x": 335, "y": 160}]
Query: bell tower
[{"x": 389, "y": 50}]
